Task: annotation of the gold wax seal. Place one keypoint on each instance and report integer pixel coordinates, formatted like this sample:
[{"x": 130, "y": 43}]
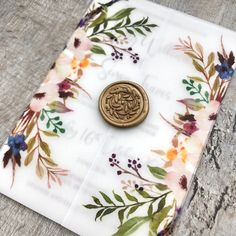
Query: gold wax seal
[{"x": 124, "y": 104}]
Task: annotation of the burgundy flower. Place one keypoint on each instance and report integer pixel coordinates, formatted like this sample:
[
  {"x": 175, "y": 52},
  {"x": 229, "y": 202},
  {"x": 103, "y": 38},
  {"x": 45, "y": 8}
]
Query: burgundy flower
[
  {"x": 190, "y": 127},
  {"x": 64, "y": 85}
]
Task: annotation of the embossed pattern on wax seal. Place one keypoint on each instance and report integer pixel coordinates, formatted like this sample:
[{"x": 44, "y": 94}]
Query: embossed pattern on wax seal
[{"x": 124, "y": 104}]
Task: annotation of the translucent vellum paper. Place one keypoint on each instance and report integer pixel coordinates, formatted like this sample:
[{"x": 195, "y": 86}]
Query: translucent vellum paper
[{"x": 96, "y": 179}]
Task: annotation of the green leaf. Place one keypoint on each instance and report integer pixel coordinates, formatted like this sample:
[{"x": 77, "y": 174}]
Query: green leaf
[
  {"x": 121, "y": 14},
  {"x": 95, "y": 39},
  {"x": 144, "y": 194},
  {"x": 118, "y": 197},
  {"x": 128, "y": 21},
  {"x": 130, "y": 197},
  {"x": 99, "y": 213},
  {"x": 96, "y": 28},
  {"x": 42, "y": 117},
  {"x": 185, "y": 81},
  {"x": 207, "y": 95},
  {"x": 99, "y": 20},
  {"x": 106, "y": 198},
  {"x": 50, "y": 133},
  {"x": 109, "y": 34},
  {"x": 58, "y": 107},
  {"x": 161, "y": 187},
  {"x": 199, "y": 87},
  {"x": 147, "y": 29},
  {"x": 132, "y": 210},
  {"x": 197, "y": 66},
  {"x": 152, "y": 25},
  {"x": 131, "y": 226},
  {"x": 157, "y": 220},
  {"x": 98, "y": 50},
  {"x": 91, "y": 206},
  {"x": 130, "y": 31},
  {"x": 118, "y": 25},
  {"x": 192, "y": 104},
  {"x": 120, "y": 32},
  {"x": 107, "y": 212},
  {"x": 161, "y": 204},
  {"x": 97, "y": 201},
  {"x": 150, "y": 210},
  {"x": 121, "y": 215},
  {"x": 44, "y": 146},
  {"x": 157, "y": 172},
  {"x": 140, "y": 31}
]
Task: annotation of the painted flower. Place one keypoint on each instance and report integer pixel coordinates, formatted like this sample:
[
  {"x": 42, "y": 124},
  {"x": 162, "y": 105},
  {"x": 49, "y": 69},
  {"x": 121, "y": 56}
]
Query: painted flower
[
  {"x": 178, "y": 183},
  {"x": 190, "y": 127},
  {"x": 79, "y": 44},
  {"x": 46, "y": 94},
  {"x": 64, "y": 85},
  {"x": 206, "y": 117},
  {"x": 53, "y": 77},
  {"x": 16, "y": 144},
  {"x": 67, "y": 65},
  {"x": 225, "y": 69}
]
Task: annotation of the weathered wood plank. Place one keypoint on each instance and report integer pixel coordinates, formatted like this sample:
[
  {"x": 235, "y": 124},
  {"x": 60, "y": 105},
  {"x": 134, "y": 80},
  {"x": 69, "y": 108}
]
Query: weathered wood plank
[{"x": 33, "y": 33}]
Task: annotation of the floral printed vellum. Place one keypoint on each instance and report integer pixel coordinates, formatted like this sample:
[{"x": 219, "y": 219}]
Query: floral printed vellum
[{"x": 99, "y": 180}]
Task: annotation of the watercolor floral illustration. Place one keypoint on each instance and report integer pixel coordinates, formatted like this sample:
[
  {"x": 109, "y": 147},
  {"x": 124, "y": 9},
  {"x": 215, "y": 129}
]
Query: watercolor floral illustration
[
  {"x": 149, "y": 194},
  {"x": 100, "y": 33},
  {"x": 160, "y": 195}
]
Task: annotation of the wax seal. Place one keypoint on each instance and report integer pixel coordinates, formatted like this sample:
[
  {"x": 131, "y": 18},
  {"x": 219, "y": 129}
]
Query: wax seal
[{"x": 124, "y": 104}]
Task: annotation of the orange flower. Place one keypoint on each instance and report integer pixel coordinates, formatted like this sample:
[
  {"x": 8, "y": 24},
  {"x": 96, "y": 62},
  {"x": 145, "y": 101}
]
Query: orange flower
[
  {"x": 74, "y": 63},
  {"x": 171, "y": 154},
  {"x": 84, "y": 63},
  {"x": 183, "y": 153}
]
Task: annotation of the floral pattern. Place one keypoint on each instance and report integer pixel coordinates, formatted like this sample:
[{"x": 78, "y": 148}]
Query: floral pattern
[
  {"x": 159, "y": 193},
  {"x": 99, "y": 32},
  {"x": 161, "y": 196}
]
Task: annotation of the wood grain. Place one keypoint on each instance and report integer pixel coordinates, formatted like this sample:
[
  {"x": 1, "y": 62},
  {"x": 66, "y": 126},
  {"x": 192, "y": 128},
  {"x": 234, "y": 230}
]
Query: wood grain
[{"x": 33, "y": 33}]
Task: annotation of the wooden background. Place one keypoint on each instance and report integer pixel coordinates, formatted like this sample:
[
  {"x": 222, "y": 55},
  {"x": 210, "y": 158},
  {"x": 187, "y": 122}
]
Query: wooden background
[{"x": 33, "y": 33}]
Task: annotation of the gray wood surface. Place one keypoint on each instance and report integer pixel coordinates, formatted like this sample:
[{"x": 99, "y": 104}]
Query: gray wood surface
[{"x": 33, "y": 33}]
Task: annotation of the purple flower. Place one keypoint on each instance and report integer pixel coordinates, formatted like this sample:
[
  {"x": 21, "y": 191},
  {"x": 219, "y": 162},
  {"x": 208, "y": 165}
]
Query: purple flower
[
  {"x": 17, "y": 144},
  {"x": 225, "y": 69}
]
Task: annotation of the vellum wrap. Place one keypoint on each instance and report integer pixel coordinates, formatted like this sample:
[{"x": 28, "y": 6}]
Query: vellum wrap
[{"x": 65, "y": 162}]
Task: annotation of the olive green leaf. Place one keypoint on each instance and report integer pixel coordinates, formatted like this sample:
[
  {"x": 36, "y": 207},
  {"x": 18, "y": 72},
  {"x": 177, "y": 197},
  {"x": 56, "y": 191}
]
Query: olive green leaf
[
  {"x": 106, "y": 198},
  {"x": 131, "y": 226},
  {"x": 98, "y": 50},
  {"x": 157, "y": 220},
  {"x": 121, "y": 14},
  {"x": 130, "y": 197},
  {"x": 157, "y": 172}
]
